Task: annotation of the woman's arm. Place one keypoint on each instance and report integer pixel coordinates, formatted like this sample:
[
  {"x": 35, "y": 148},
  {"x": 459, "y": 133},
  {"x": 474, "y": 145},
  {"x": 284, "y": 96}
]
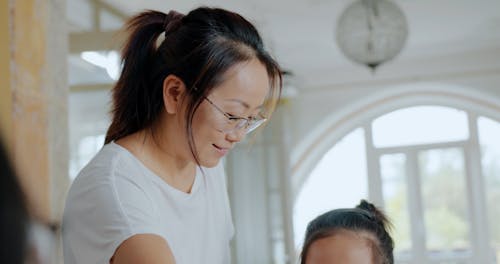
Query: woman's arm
[{"x": 143, "y": 248}]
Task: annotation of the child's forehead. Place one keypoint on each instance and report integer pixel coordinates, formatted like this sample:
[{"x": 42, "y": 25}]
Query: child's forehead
[{"x": 343, "y": 246}]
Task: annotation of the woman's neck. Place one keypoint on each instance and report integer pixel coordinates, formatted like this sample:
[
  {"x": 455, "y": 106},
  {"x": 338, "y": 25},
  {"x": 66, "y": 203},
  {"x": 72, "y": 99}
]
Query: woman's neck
[{"x": 163, "y": 157}]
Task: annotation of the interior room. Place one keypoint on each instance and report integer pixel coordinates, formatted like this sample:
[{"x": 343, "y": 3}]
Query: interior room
[{"x": 415, "y": 128}]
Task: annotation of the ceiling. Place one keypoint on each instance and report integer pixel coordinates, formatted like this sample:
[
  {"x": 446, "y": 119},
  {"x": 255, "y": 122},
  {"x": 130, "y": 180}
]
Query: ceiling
[{"x": 300, "y": 34}]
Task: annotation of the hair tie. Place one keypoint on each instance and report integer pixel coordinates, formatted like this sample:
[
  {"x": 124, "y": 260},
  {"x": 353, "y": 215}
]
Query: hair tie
[{"x": 172, "y": 21}]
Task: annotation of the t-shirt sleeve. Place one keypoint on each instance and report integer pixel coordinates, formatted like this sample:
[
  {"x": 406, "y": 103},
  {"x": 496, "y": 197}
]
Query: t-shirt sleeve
[{"x": 100, "y": 215}]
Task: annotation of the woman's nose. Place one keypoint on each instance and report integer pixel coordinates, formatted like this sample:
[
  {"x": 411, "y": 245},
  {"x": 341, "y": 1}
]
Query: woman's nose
[{"x": 236, "y": 135}]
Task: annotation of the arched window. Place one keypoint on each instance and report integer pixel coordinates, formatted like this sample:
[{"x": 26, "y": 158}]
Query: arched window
[
  {"x": 434, "y": 169},
  {"x": 334, "y": 180}
]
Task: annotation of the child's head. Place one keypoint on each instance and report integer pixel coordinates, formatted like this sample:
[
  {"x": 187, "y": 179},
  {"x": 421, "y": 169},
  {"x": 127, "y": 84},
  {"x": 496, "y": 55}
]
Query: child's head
[{"x": 357, "y": 235}]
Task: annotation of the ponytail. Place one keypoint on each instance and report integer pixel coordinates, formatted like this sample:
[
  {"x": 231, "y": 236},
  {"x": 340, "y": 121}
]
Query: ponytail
[{"x": 136, "y": 99}]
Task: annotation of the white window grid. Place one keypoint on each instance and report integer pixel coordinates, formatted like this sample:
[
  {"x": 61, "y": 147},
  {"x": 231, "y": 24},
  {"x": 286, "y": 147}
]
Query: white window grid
[{"x": 481, "y": 251}]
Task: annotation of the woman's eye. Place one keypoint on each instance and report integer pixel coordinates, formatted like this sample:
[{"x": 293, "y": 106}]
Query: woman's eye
[{"x": 233, "y": 117}]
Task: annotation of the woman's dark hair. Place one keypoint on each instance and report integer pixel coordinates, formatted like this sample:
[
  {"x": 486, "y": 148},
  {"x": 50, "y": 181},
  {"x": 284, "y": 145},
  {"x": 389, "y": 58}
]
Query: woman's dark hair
[
  {"x": 364, "y": 218},
  {"x": 13, "y": 214},
  {"x": 198, "y": 48}
]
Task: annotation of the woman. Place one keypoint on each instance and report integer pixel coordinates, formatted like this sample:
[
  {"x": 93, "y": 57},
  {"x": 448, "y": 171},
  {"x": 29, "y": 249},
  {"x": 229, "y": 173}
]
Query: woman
[
  {"x": 191, "y": 87},
  {"x": 350, "y": 236}
]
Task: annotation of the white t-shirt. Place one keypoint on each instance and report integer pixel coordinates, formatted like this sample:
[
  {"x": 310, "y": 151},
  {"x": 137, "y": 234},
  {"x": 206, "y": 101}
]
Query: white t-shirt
[{"x": 115, "y": 197}]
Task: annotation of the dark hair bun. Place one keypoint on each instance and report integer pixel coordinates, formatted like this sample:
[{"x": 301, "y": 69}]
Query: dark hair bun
[{"x": 375, "y": 212}]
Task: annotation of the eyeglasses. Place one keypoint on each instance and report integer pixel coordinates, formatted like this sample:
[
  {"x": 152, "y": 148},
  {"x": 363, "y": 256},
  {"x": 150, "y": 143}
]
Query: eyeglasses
[{"x": 236, "y": 123}]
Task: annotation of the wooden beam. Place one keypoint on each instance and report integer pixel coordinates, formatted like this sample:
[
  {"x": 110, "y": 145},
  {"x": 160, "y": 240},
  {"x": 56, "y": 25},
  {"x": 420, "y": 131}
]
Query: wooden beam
[
  {"x": 5, "y": 83},
  {"x": 86, "y": 41},
  {"x": 91, "y": 87}
]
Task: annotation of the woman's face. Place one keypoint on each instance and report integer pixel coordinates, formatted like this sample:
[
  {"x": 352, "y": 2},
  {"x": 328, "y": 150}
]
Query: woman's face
[
  {"x": 241, "y": 94},
  {"x": 343, "y": 247}
]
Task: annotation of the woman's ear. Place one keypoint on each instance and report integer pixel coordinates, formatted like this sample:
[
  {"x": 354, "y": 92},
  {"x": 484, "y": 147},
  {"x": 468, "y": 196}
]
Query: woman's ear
[{"x": 173, "y": 91}]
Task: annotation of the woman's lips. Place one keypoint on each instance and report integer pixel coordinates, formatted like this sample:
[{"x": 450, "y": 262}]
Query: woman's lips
[{"x": 222, "y": 151}]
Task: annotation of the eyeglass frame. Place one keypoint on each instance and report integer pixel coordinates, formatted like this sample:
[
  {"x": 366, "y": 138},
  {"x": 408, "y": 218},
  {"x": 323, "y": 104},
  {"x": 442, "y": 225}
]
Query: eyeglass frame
[{"x": 243, "y": 123}]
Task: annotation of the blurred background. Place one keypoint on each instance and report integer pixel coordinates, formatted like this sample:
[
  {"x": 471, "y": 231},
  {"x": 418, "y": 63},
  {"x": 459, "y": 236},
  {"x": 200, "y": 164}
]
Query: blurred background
[{"x": 408, "y": 117}]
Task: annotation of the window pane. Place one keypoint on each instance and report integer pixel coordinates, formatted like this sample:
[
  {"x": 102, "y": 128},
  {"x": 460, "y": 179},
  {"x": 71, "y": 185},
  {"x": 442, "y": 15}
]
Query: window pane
[
  {"x": 88, "y": 121},
  {"x": 444, "y": 200},
  {"x": 489, "y": 137},
  {"x": 396, "y": 200},
  {"x": 339, "y": 180},
  {"x": 87, "y": 148},
  {"x": 420, "y": 125},
  {"x": 109, "y": 21},
  {"x": 78, "y": 16}
]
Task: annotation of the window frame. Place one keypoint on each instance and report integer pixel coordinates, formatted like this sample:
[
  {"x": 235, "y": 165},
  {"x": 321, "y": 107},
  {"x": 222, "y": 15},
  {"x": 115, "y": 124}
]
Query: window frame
[{"x": 475, "y": 193}]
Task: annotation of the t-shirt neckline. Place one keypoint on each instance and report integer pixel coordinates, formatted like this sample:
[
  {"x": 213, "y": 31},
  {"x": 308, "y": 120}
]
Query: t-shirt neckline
[{"x": 157, "y": 178}]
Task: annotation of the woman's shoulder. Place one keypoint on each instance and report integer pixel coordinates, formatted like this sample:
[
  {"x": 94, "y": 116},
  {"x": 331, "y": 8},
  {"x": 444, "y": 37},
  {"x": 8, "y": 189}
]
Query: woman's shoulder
[
  {"x": 110, "y": 168},
  {"x": 110, "y": 159},
  {"x": 106, "y": 204},
  {"x": 112, "y": 179}
]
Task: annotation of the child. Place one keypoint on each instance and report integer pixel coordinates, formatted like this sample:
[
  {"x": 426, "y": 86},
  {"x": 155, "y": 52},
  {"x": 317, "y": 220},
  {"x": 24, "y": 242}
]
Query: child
[{"x": 349, "y": 236}]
